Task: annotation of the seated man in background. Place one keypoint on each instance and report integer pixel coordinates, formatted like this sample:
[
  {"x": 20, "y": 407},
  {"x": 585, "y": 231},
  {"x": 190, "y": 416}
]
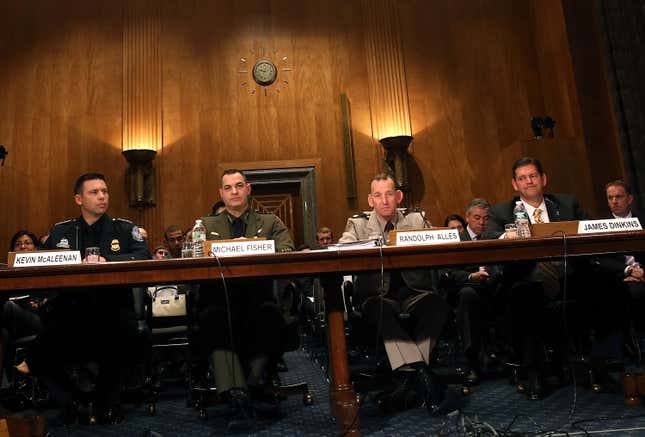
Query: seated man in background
[
  {"x": 243, "y": 351},
  {"x": 471, "y": 289},
  {"x": 410, "y": 291},
  {"x": 174, "y": 238},
  {"x": 621, "y": 275}
]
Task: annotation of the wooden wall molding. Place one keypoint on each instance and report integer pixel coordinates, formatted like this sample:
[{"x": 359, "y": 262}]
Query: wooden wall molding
[{"x": 142, "y": 93}]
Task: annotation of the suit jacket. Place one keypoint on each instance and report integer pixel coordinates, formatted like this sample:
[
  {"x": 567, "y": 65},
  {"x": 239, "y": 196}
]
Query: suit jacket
[
  {"x": 458, "y": 277},
  {"x": 363, "y": 227},
  {"x": 560, "y": 207},
  {"x": 615, "y": 264}
]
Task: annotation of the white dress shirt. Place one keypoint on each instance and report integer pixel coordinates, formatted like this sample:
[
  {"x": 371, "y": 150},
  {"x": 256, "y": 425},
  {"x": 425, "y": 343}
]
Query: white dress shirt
[{"x": 543, "y": 212}]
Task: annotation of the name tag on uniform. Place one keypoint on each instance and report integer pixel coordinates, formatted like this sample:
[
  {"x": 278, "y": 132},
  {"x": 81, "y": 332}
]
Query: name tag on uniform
[
  {"x": 418, "y": 237},
  {"x": 251, "y": 246},
  {"x": 609, "y": 225},
  {"x": 44, "y": 258}
]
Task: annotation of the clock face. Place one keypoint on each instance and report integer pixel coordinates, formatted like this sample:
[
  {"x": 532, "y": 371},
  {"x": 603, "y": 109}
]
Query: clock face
[{"x": 264, "y": 72}]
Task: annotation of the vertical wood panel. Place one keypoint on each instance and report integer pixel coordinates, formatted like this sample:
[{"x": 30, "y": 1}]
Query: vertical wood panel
[{"x": 142, "y": 124}]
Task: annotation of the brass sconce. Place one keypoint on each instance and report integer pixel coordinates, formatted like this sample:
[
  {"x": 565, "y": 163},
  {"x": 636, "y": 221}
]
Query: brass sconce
[
  {"x": 141, "y": 177},
  {"x": 396, "y": 158}
]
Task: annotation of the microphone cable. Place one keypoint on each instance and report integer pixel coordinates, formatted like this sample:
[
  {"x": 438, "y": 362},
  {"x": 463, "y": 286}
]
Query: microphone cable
[{"x": 229, "y": 319}]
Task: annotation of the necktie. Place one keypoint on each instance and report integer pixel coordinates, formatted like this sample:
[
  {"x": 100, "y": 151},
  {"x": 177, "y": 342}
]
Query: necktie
[
  {"x": 537, "y": 216},
  {"x": 238, "y": 227},
  {"x": 476, "y": 237},
  {"x": 389, "y": 227}
]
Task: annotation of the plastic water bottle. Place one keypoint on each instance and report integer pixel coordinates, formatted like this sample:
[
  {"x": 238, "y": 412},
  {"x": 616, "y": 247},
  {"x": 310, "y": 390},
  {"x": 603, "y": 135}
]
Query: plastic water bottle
[
  {"x": 521, "y": 220},
  {"x": 198, "y": 236}
]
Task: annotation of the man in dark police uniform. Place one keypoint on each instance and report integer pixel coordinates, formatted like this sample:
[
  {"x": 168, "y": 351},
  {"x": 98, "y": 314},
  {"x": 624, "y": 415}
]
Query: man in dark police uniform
[{"x": 90, "y": 324}]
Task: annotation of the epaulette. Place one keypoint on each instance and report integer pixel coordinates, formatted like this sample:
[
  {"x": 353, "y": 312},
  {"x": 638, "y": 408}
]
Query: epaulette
[
  {"x": 118, "y": 219},
  {"x": 410, "y": 211},
  {"x": 362, "y": 215},
  {"x": 65, "y": 221}
]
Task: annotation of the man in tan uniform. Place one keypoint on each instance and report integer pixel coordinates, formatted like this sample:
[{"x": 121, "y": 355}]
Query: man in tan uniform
[{"x": 383, "y": 298}]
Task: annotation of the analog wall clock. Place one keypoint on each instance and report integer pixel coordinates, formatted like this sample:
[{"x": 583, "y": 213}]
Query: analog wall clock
[{"x": 266, "y": 73}]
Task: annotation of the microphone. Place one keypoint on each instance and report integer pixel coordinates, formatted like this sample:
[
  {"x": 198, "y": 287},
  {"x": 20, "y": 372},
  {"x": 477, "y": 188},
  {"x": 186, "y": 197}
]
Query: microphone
[{"x": 423, "y": 216}]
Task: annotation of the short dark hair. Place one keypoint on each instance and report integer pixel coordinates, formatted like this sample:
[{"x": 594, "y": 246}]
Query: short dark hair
[
  {"x": 21, "y": 233},
  {"x": 477, "y": 203},
  {"x": 383, "y": 177},
  {"x": 217, "y": 205},
  {"x": 452, "y": 217},
  {"x": 232, "y": 171},
  {"x": 619, "y": 183},
  {"x": 172, "y": 228},
  {"x": 527, "y": 160},
  {"x": 78, "y": 186}
]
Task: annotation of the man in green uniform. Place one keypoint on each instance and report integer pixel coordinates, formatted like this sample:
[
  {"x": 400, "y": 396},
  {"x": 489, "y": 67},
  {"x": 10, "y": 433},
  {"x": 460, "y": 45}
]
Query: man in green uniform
[{"x": 243, "y": 351}]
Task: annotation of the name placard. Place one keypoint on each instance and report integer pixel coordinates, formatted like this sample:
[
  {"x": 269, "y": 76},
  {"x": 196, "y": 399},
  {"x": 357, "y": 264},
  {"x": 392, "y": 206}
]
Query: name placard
[
  {"x": 250, "y": 246},
  {"x": 609, "y": 225},
  {"x": 44, "y": 258},
  {"x": 424, "y": 237}
]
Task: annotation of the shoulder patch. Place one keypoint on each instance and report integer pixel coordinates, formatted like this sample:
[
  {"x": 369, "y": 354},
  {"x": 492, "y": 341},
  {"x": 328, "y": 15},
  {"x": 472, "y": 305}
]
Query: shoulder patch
[
  {"x": 136, "y": 234},
  {"x": 65, "y": 221}
]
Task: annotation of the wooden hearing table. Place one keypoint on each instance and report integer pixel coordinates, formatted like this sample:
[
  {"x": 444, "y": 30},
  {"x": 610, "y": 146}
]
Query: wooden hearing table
[{"x": 342, "y": 398}]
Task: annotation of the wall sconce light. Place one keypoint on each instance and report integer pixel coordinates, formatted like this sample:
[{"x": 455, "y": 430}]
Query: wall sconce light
[
  {"x": 396, "y": 158},
  {"x": 141, "y": 177}
]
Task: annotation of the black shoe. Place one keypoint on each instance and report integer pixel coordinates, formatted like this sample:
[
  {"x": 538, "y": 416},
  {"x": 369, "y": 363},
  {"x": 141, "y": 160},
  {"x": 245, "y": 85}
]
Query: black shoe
[
  {"x": 403, "y": 397},
  {"x": 242, "y": 416},
  {"x": 438, "y": 399}
]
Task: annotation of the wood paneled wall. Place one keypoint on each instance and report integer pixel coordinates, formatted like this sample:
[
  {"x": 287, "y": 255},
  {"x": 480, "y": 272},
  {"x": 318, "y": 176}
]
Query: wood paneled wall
[{"x": 475, "y": 73}]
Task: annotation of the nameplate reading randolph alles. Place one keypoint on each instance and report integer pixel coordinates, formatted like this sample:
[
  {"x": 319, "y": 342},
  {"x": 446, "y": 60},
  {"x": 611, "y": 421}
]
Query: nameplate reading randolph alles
[
  {"x": 424, "y": 237},
  {"x": 251, "y": 246},
  {"x": 44, "y": 258},
  {"x": 609, "y": 225}
]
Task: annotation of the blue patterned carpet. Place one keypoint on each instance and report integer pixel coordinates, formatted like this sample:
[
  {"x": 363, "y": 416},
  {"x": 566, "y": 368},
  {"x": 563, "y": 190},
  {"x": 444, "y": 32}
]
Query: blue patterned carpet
[{"x": 494, "y": 402}]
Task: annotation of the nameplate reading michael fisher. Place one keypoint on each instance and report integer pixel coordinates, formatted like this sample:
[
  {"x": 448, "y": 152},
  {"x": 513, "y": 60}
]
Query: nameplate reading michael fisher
[
  {"x": 46, "y": 258},
  {"x": 609, "y": 225},
  {"x": 426, "y": 237},
  {"x": 251, "y": 246}
]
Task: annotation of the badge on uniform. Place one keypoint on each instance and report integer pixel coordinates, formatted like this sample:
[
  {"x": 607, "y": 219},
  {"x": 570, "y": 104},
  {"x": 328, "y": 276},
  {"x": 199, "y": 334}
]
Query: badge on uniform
[
  {"x": 63, "y": 243},
  {"x": 115, "y": 246},
  {"x": 136, "y": 234}
]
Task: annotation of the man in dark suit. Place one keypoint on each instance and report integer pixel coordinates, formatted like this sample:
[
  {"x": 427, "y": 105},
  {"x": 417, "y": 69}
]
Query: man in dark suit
[
  {"x": 532, "y": 286},
  {"x": 471, "y": 289},
  {"x": 621, "y": 273}
]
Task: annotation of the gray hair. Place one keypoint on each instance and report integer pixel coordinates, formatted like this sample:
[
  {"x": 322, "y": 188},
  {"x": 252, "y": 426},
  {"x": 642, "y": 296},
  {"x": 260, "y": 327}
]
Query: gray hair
[{"x": 477, "y": 203}]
